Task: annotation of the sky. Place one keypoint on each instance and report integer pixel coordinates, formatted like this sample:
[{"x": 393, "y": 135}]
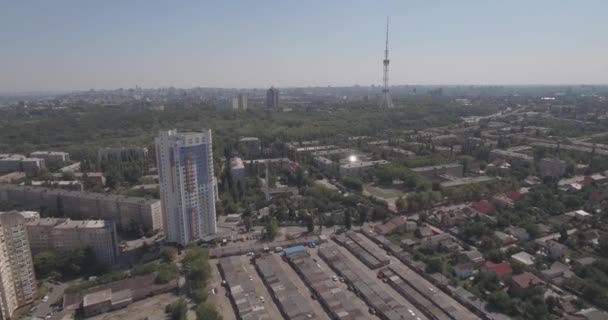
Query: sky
[{"x": 80, "y": 45}]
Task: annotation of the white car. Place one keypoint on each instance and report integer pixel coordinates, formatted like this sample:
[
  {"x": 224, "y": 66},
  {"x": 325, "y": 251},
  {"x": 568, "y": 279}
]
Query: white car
[{"x": 45, "y": 299}]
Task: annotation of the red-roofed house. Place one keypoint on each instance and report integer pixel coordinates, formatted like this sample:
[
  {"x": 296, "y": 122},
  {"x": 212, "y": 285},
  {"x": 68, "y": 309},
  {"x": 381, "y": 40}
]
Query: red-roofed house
[
  {"x": 513, "y": 195},
  {"x": 500, "y": 269},
  {"x": 599, "y": 196},
  {"x": 483, "y": 207},
  {"x": 391, "y": 225}
]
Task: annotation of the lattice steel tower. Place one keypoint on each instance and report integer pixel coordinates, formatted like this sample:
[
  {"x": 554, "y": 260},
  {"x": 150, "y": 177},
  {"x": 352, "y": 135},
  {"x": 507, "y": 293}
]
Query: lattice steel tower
[{"x": 386, "y": 100}]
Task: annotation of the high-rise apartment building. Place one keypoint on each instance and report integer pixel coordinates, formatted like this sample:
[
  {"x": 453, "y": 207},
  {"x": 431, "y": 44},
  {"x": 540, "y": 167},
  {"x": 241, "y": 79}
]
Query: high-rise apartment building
[
  {"x": 240, "y": 102},
  {"x": 187, "y": 184},
  {"x": 17, "y": 279},
  {"x": 272, "y": 98}
]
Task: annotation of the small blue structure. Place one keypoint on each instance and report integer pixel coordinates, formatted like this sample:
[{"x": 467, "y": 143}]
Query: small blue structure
[{"x": 295, "y": 249}]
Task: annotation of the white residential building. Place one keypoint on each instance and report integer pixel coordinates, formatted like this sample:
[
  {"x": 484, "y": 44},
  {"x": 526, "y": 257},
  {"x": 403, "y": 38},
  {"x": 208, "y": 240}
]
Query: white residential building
[
  {"x": 17, "y": 279},
  {"x": 187, "y": 184}
]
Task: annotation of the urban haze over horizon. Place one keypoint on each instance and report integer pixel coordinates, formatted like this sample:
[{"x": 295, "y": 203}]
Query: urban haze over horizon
[{"x": 66, "y": 45}]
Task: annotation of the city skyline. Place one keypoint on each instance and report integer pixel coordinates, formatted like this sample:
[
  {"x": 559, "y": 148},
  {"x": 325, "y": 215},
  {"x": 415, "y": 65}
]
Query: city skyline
[{"x": 71, "y": 46}]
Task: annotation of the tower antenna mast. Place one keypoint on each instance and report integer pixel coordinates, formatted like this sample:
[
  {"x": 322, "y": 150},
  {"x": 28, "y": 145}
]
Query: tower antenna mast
[{"x": 387, "y": 102}]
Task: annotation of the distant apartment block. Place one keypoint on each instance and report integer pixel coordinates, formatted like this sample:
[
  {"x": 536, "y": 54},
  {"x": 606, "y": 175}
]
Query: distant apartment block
[
  {"x": 62, "y": 184},
  {"x": 548, "y": 167},
  {"x": 359, "y": 167},
  {"x": 65, "y": 235},
  {"x": 572, "y": 148},
  {"x": 510, "y": 156},
  {"x": 187, "y": 185},
  {"x": 240, "y": 102},
  {"x": 122, "y": 154},
  {"x": 324, "y": 163},
  {"x": 51, "y": 157},
  {"x": 12, "y": 163},
  {"x": 88, "y": 205},
  {"x": 465, "y": 181},
  {"x": 237, "y": 170},
  {"x": 272, "y": 98},
  {"x": 435, "y": 172},
  {"x": 17, "y": 279},
  {"x": 250, "y": 146}
]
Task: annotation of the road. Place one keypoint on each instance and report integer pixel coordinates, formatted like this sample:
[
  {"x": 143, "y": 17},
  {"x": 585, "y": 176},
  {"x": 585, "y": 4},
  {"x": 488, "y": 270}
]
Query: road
[{"x": 55, "y": 294}]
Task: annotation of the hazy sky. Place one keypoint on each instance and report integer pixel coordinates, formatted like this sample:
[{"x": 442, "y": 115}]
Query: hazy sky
[{"x": 54, "y": 45}]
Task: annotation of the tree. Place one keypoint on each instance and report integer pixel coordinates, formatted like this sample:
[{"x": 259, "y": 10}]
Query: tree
[
  {"x": 272, "y": 228},
  {"x": 501, "y": 301},
  {"x": 563, "y": 234},
  {"x": 248, "y": 222},
  {"x": 362, "y": 214},
  {"x": 603, "y": 244},
  {"x": 196, "y": 266},
  {"x": 435, "y": 265},
  {"x": 310, "y": 223},
  {"x": 168, "y": 254},
  {"x": 178, "y": 309},
  {"x": 348, "y": 219},
  {"x": 166, "y": 273},
  {"x": 45, "y": 262},
  {"x": 206, "y": 311},
  {"x": 400, "y": 204},
  {"x": 199, "y": 295}
]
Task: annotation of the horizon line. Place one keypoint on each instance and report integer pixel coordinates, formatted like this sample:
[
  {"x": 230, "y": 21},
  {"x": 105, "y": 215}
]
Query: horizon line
[{"x": 64, "y": 91}]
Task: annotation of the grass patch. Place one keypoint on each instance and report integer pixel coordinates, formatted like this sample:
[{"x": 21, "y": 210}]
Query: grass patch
[{"x": 384, "y": 193}]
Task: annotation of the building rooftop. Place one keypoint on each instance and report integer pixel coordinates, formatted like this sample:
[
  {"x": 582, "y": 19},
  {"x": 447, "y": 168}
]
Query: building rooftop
[
  {"x": 501, "y": 269},
  {"x": 47, "y": 222},
  {"x": 37, "y": 153},
  {"x": 441, "y": 166},
  {"x": 523, "y": 258},
  {"x": 526, "y": 280},
  {"x": 97, "y": 297},
  {"x": 83, "y": 194},
  {"x": 83, "y": 224},
  {"x": 236, "y": 163}
]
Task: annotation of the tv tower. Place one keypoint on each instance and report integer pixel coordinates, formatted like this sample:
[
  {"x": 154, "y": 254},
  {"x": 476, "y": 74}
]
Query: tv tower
[{"x": 386, "y": 100}]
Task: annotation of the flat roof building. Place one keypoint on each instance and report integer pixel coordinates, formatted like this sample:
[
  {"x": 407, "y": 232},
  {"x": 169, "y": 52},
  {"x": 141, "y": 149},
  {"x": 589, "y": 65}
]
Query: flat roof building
[
  {"x": 122, "y": 153},
  {"x": 87, "y": 205},
  {"x": 435, "y": 172},
  {"x": 51, "y": 157}
]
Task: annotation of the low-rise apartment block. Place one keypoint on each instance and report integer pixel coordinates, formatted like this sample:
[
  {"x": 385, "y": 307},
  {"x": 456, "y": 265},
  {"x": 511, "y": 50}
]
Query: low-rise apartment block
[
  {"x": 14, "y": 163},
  {"x": 65, "y": 235},
  {"x": 435, "y": 172},
  {"x": 51, "y": 157},
  {"x": 237, "y": 169},
  {"x": 548, "y": 167},
  {"x": 359, "y": 167},
  {"x": 123, "y": 154},
  {"x": 88, "y": 205},
  {"x": 250, "y": 145},
  {"x": 514, "y": 158}
]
